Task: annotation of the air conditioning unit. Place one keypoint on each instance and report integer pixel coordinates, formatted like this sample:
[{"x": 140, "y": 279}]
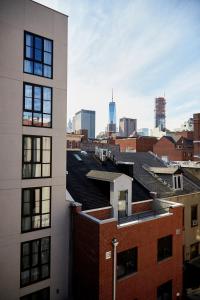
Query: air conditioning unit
[{"x": 194, "y": 222}]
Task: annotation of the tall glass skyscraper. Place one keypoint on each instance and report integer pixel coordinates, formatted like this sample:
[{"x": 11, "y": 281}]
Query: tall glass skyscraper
[
  {"x": 112, "y": 116},
  {"x": 112, "y": 112}
]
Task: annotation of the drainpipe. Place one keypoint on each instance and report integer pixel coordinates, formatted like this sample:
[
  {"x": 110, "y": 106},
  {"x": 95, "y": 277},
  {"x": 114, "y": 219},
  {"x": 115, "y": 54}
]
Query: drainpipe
[{"x": 115, "y": 244}]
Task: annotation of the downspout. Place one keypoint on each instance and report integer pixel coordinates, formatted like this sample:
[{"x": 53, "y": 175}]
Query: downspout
[{"x": 115, "y": 244}]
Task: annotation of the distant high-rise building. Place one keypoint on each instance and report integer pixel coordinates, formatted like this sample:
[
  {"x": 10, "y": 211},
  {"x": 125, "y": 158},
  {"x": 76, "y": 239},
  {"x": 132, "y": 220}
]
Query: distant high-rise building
[
  {"x": 112, "y": 116},
  {"x": 69, "y": 126},
  {"x": 143, "y": 131},
  {"x": 85, "y": 119},
  {"x": 160, "y": 103},
  {"x": 127, "y": 127}
]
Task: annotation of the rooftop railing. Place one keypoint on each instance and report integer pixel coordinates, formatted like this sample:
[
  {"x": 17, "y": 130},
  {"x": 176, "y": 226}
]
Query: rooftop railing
[{"x": 142, "y": 216}]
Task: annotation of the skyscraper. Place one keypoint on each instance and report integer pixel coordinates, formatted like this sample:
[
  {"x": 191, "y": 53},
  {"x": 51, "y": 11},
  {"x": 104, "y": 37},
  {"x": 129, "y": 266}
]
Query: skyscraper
[
  {"x": 85, "y": 119},
  {"x": 160, "y": 117},
  {"x": 34, "y": 215},
  {"x": 112, "y": 116},
  {"x": 127, "y": 127}
]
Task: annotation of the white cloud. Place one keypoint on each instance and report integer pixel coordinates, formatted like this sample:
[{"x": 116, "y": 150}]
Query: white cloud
[{"x": 141, "y": 49}]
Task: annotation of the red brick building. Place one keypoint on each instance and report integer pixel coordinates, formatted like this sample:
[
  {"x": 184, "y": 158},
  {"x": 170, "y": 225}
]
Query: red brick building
[
  {"x": 168, "y": 148},
  {"x": 136, "y": 144},
  {"x": 196, "y": 118},
  {"x": 122, "y": 250},
  {"x": 148, "y": 254}
]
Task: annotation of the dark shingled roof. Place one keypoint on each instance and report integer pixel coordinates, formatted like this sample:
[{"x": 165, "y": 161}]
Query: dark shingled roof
[
  {"x": 159, "y": 183},
  {"x": 94, "y": 193}
]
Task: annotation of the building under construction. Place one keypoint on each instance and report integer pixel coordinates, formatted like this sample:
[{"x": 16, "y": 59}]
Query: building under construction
[{"x": 160, "y": 103}]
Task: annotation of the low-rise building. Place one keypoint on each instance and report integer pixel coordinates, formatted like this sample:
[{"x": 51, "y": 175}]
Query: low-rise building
[
  {"x": 136, "y": 144},
  {"x": 174, "y": 148},
  {"x": 120, "y": 242}
]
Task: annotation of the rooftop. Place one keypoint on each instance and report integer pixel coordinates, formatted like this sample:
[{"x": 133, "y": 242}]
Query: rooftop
[{"x": 92, "y": 193}]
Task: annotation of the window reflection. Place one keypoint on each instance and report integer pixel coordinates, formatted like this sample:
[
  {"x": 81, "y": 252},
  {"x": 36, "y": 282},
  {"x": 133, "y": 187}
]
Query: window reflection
[
  {"x": 37, "y": 106},
  {"x": 38, "y": 55}
]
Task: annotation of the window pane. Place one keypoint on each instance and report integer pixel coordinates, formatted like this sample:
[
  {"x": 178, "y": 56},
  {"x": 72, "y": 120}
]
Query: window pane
[
  {"x": 27, "y": 142},
  {"x": 47, "y": 45},
  {"x": 46, "y": 156},
  {"x": 27, "y": 155},
  {"x": 47, "y": 107},
  {"x": 46, "y": 93},
  {"x": 37, "y": 170},
  {"x": 47, "y": 71},
  {"x": 29, "y": 52},
  {"x": 45, "y": 271},
  {"x": 36, "y": 143},
  {"x": 37, "y": 68},
  {"x": 46, "y": 143},
  {"x": 37, "y": 119},
  {"x": 27, "y": 118},
  {"x": 27, "y": 171},
  {"x": 45, "y": 193},
  {"x": 29, "y": 39},
  {"x": 26, "y": 202},
  {"x": 28, "y": 66},
  {"x": 25, "y": 249},
  {"x": 37, "y": 194},
  {"x": 37, "y": 104},
  {"x": 38, "y": 55},
  {"x": 25, "y": 277},
  {"x": 28, "y": 90},
  {"x": 36, "y": 222},
  {"x": 37, "y": 92},
  {"x": 45, "y": 220},
  {"x": 46, "y": 170},
  {"x": 25, "y": 262},
  {"x": 46, "y": 120},
  {"x": 26, "y": 224},
  {"x": 28, "y": 103},
  {"x": 35, "y": 259},
  {"x": 36, "y": 156},
  {"x": 35, "y": 274},
  {"x": 38, "y": 43},
  {"x": 47, "y": 58}
]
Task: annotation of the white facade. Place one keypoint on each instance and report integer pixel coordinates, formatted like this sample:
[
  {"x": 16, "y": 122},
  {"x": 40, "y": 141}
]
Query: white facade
[{"x": 15, "y": 18}]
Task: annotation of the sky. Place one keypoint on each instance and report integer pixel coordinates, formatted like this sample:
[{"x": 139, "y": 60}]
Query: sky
[{"x": 142, "y": 49}]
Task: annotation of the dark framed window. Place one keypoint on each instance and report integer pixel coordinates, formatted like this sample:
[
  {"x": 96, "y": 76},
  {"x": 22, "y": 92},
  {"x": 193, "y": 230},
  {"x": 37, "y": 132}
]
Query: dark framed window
[
  {"x": 35, "y": 260},
  {"x": 43, "y": 294},
  {"x": 194, "y": 250},
  {"x": 164, "y": 291},
  {"x": 38, "y": 55},
  {"x": 126, "y": 262},
  {"x": 194, "y": 215},
  {"x": 36, "y": 208},
  {"x": 36, "y": 158},
  {"x": 37, "y": 105},
  {"x": 164, "y": 247}
]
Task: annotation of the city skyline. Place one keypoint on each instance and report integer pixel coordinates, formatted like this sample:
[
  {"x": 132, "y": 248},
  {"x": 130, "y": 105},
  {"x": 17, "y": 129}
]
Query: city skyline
[{"x": 142, "y": 49}]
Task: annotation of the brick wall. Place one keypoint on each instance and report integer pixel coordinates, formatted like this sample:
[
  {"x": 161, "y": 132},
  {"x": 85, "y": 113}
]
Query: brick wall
[
  {"x": 102, "y": 214},
  {"x": 94, "y": 240},
  {"x": 164, "y": 147},
  {"x": 140, "y": 144}
]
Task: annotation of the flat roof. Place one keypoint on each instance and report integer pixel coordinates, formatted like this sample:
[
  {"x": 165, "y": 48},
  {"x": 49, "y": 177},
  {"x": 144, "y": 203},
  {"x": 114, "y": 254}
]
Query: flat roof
[
  {"x": 103, "y": 175},
  {"x": 54, "y": 10}
]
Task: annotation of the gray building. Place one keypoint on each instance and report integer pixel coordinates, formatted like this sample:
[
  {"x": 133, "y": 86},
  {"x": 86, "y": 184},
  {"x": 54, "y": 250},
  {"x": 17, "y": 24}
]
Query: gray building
[
  {"x": 127, "y": 127},
  {"x": 85, "y": 119},
  {"x": 33, "y": 101}
]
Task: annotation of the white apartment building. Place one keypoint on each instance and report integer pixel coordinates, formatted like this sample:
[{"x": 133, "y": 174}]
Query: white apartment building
[{"x": 33, "y": 99}]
